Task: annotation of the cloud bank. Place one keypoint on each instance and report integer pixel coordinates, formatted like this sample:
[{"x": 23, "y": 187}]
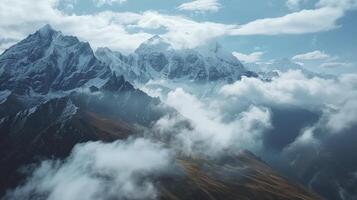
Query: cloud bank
[
  {"x": 96, "y": 170},
  {"x": 124, "y": 31}
]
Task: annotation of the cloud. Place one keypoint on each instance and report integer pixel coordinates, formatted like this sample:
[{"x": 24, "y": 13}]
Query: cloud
[
  {"x": 343, "y": 118},
  {"x": 342, "y": 4},
  {"x": 249, "y": 58},
  {"x": 294, "y": 4},
  {"x": 304, "y": 21},
  {"x": 108, "y": 2},
  {"x": 182, "y": 32},
  {"x": 294, "y": 88},
  {"x": 336, "y": 64},
  {"x": 314, "y": 55},
  {"x": 209, "y": 132},
  {"x": 102, "y": 29},
  {"x": 96, "y": 170},
  {"x": 333, "y": 100},
  {"x": 201, "y": 5},
  {"x": 125, "y": 31}
]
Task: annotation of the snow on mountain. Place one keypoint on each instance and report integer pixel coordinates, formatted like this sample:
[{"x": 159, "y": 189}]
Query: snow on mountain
[
  {"x": 282, "y": 65},
  {"x": 269, "y": 70},
  {"x": 154, "y": 44},
  {"x": 156, "y": 59},
  {"x": 49, "y": 61}
]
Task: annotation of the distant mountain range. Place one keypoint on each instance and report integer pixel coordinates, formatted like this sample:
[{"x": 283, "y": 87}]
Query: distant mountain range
[
  {"x": 55, "y": 93},
  {"x": 157, "y": 59}
]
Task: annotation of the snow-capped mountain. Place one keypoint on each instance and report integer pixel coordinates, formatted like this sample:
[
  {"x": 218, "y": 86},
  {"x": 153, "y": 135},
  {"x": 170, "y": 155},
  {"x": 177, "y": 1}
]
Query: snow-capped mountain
[
  {"x": 269, "y": 70},
  {"x": 49, "y": 61},
  {"x": 55, "y": 93},
  {"x": 157, "y": 59}
]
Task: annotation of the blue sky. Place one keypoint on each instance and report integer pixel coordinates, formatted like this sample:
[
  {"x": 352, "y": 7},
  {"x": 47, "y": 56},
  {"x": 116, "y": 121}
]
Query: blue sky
[{"x": 321, "y": 34}]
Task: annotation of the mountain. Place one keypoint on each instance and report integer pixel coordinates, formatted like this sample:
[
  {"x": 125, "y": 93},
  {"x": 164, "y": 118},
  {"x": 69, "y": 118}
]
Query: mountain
[
  {"x": 45, "y": 64},
  {"x": 269, "y": 70},
  {"x": 240, "y": 175},
  {"x": 47, "y": 61},
  {"x": 156, "y": 59},
  {"x": 55, "y": 93},
  {"x": 51, "y": 129}
]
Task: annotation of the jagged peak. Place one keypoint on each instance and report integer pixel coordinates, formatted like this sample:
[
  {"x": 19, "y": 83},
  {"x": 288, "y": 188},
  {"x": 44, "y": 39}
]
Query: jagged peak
[
  {"x": 215, "y": 47},
  {"x": 155, "y": 43},
  {"x": 103, "y": 49},
  {"x": 46, "y": 27},
  {"x": 155, "y": 40},
  {"x": 115, "y": 84},
  {"x": 47, "y": 30}
]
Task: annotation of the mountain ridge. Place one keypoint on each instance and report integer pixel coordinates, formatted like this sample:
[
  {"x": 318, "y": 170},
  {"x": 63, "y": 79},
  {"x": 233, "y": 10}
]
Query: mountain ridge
[{"x": 156, "y": 59}]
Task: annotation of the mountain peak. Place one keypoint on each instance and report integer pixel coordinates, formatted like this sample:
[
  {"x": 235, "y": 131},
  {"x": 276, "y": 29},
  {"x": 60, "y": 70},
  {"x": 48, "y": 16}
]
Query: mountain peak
[
  {"x": 153, "y": 44},
  {"x": 215, "y": 47},
  {"x": 46, "y": 30},
  {"x": 117, "y": 84},
  {"x": 155, "y": 39}
]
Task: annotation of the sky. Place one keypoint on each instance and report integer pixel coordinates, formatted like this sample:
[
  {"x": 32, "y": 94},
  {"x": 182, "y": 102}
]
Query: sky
[{"x": 318, "y": 34}]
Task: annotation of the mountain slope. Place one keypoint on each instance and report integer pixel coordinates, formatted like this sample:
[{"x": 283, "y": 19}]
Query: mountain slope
[
  {"x": 238, "y": 176},
  {"x": 51, "y": 129}
]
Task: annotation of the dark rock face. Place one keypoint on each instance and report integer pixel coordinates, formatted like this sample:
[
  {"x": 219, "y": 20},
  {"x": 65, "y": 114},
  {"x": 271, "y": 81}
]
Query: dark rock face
[
  {"x": 117, "y": 84},
  {"x": 47, "y": 60},
  {"x": 157, "y": 61}
]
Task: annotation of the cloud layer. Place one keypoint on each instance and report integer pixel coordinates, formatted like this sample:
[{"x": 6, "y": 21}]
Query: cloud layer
[
  {"x": 96, "y": 170},
  {"x": 124, "y": 31}
]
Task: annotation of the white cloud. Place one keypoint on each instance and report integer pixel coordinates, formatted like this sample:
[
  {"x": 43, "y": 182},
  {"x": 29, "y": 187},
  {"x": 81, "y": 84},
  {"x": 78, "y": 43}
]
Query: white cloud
[
  {"x": 210, "y": 134},
  {"x": 314, "y": 55},
  {"x": 201, "y": 5},
  {"x": 294, "y": 4},
  {"x": 96, "y": 170},
  {"x": 102, "y": 29},
  {"x": 323, "y": 18},
  {"x": 124, "y": 31},
  {"x": 294, "y": 88},
  {"x": 249, "y": 58},
  {"x": 304, "y": 21},
  {"x": 334, "y": 100},
  {"x": 108, "y": 2},
  {"x": 344, "y": 117},
  {"x": 342, "y": 4},
  {"x": 182, "y": 32},
  {"x": 336, "y": 64}
]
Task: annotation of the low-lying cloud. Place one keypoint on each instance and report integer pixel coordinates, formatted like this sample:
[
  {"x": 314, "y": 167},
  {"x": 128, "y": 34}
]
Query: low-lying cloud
[
  {"x": 96, "y": 170},
  {"x": 300, "y": 124},
  {"x": 212, "y": 129}
]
